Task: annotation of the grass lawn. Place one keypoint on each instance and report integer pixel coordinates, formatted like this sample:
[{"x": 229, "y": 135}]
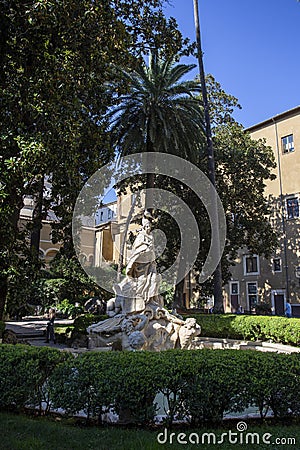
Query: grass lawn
[{"x": 27, "y": 433}]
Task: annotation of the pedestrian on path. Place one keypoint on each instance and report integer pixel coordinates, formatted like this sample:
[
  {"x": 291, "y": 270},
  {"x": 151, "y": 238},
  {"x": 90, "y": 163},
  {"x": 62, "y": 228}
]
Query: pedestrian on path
[
  {"x": 288, "y": 310},
  {"x": 50, "y": 335}
]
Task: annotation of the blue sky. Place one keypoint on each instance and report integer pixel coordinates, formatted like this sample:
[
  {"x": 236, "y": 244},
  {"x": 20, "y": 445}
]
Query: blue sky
[{"x": 251, "y": 48}]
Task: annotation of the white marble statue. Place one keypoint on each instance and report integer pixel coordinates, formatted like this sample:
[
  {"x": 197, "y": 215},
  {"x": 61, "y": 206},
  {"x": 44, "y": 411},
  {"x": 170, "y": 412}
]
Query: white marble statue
[{"x": 137, "y": 318}]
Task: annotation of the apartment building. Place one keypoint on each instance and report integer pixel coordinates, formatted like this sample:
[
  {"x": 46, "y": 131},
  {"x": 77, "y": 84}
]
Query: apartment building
[{"x": 256, "y": 280}]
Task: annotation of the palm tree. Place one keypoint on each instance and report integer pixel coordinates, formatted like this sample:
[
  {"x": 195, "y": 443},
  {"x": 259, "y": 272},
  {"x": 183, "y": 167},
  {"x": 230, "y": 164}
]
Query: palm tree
[{"x": 159, "y": 113}]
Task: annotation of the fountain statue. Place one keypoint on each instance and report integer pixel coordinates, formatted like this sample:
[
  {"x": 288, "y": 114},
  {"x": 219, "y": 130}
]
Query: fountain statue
[{"x": 137, "y": 317}]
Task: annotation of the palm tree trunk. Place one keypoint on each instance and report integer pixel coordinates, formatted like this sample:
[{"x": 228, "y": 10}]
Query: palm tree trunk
[{"x": 218, "y": 295}]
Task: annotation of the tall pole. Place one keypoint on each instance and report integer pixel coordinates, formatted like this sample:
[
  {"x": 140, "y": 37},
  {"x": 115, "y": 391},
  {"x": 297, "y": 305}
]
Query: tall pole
[
  {"x": 282, "y": 207},
  {"x": 218, "y": 295}
]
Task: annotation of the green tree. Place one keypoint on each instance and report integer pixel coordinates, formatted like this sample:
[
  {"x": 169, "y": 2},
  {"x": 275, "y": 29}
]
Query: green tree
[
  {"x": 54, "y": 56},
  {"x": 242, "y": 167},
  {"x": 57, "y": 59},
  {"x": 159, "y": 113}
]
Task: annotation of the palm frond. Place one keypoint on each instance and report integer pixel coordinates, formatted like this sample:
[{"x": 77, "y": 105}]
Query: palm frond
[{"x": 160, "y": 108}]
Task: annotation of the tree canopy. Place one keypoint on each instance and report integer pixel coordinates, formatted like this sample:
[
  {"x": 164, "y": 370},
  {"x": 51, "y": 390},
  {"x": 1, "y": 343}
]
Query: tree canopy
[
  {"x": 57, "y": 58},
  {"x": 60, "y": 60},
  {"x": 243, "y": 166},
  {"x": 160, "y": 112}
]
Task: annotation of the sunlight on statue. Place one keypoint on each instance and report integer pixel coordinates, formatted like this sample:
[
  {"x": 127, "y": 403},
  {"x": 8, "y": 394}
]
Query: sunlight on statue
[{"x": 138, "y": 319}]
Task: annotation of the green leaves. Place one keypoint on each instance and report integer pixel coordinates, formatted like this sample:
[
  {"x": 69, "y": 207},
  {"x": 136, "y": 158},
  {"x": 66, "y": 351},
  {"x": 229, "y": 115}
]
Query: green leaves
[
  {"x": 199, "y": 386},
  {"x": 56, "y": 60},
  {"x": 23, "y": 372},
  {"x": 255, "y": 328},
  {"x": 159, "y": 112}
]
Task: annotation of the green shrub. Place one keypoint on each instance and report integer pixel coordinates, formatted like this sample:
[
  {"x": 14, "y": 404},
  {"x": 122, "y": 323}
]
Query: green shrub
[
  {"x": 199, "y": 385},
  {"x": 78, "y": 335},
  {"x": 249, "y": 327},
  {"x": 215, "y": 325},
  {"x": 263, "y": 309},
  {"x": 95, "y": 382},
  {"x": 18, "y": 376},
  {"x": 230, "y": 326},
  {"x": 81, "y": 323},
  {"x": 212, "y": 388},
  {"x": 24, "y": 371},
  {"x": 49, "y": 359},
  {"x": 272, "y": 383},
  {"x": 174, "y": 373},
  {"x": 71, "y": 388},
  {"x": 68, "y": 309},
  {"x": 134, "y": 379}
]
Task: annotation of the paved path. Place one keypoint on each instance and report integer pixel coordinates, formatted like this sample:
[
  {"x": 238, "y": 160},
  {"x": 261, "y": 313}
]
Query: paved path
[
  {"x": 32, "y": 330},
  {"x": 32, "y": 324}
]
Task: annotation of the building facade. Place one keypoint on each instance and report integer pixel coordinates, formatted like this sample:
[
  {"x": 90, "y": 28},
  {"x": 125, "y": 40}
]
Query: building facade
[
  {"x": 47, "y": 249},
  {"x": 273, "y": 282}
]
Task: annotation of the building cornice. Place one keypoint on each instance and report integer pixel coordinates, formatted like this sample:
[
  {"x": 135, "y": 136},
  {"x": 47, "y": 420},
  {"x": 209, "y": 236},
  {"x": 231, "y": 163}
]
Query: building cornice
[{"x": 282, "y": 116}]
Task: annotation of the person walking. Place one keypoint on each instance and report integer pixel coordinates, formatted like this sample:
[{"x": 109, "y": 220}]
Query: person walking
[
  {"x": 50, "y": 335},
  {"x": 288, "y": 310}
]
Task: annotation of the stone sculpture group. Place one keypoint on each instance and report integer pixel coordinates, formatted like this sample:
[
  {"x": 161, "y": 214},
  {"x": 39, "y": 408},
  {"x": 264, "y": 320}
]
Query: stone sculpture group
[{"x": 137, "y": 317}]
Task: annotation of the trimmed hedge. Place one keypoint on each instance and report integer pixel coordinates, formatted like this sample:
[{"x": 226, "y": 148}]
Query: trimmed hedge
[
  {"x": 24, "y": 373},
  {"x": 277, "y": 329},
  {"x": 198, "y": 385}
]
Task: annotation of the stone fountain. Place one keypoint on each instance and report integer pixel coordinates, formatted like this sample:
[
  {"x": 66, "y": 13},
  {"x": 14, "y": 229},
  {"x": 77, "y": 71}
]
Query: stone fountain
[{"x": 137, "y": 317}]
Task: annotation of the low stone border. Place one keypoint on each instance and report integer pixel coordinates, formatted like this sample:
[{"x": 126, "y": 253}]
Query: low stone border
[{"x": 223, "y": 343}]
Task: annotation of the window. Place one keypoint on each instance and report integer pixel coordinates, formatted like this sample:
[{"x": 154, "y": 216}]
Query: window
[
  {"x": 187, "y": 282},
  {"x": 234, "y": 288},
  {"x": 252, "y": 296},
  {"x": 292, "y": 208},
  {"x": 277, "y": 265},
  {"x": 234, "y": 299},
  {"x": 287, "y": 144},
  {"x": 109, "y": 214},
  {"x": 251, "y": 265}
]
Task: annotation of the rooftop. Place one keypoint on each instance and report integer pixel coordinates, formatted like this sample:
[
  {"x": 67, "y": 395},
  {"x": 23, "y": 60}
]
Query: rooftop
[{"x": 282, "y": 116}]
